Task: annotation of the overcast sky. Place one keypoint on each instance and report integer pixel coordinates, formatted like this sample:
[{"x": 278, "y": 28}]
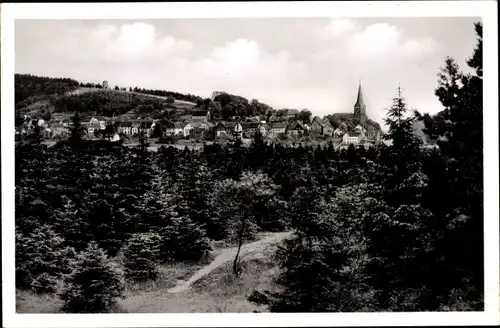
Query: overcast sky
[{"x": 288, "y": 63}]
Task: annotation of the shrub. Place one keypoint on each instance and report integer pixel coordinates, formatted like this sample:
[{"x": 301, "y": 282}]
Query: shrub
[
  {"x": 140, "y": 253},
  {"x": 183, "y": 240},
  {"x": 41, "y": 259},
  {"x": 94, "y": 285}
]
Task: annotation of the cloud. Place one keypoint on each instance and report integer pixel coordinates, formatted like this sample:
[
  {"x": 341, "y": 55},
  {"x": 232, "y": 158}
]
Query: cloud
[
  {"x": 383, "y": 39},
  {"x": 337, "y": 27}
]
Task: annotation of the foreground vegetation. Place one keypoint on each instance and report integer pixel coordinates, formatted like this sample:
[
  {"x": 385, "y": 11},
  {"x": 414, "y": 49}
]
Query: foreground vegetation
[{"x": 392, "y": 228}]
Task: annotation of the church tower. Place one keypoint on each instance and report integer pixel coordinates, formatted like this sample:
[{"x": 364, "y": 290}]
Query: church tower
[{"x": 360, "y": 108}]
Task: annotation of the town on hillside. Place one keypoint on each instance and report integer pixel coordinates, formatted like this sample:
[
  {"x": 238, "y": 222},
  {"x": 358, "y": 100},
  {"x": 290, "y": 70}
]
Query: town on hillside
[{"x": 199, "y": 122}]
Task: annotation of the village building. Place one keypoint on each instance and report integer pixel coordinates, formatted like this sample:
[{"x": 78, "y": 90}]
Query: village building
[
  {"x": 277, "y": 128},
  {"x": 321, "y": 127},
  {"x": 200, "y": 115},
  {"x": 249, "y": 128},
  {"x": 295, "y": 129},
  {"x": 125, "y": 128},
  {"x": 228, "y": 129},
  {"x": 176, "y": 129},
  {"x": 354, "y": 138}
]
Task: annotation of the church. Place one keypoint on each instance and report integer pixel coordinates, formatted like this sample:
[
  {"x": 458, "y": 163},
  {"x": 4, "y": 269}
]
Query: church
[
  {"x": 363, "y": 131},
  {"x": 360, "y": 108}
]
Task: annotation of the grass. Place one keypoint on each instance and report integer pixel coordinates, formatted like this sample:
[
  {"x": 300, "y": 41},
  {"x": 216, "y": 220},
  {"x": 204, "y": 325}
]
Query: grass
[
  {"x": 219, "y": 291},
  {"x": 29, "y": 302}
]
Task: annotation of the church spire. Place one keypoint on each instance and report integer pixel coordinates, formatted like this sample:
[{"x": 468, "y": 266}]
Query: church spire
[{"x": 360, "y": 102}]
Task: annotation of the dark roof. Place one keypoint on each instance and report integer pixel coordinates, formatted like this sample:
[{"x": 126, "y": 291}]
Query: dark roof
[
  {"x": 228, "y": 125},
  {"x": 359, "y": 101},
  {"x": 249, "y": 125},
  {"x": 353, "y": 134},
  {"x": 278, "y": 125},
  {"x": 295, "y": 126},
  {"x": 198, "y": 112}
]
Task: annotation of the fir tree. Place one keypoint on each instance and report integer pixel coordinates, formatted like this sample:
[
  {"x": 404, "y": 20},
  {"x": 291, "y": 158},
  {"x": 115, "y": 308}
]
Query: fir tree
[
  {"x": 94, "y": 285},
  {"x": 140, "y": 256}
]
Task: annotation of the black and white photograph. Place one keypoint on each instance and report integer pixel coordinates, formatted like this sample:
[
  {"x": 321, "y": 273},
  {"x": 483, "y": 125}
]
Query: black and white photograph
[{"x": 253, "y": 165}]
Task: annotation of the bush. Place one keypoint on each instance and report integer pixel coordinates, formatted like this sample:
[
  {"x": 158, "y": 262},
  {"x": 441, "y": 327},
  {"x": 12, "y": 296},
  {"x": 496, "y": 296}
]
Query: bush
[
  {"x": 94, "y": 285},
  {"x": 183, "y": 240},
  {"x": 41, "y": 259},
  {"x": 140, "y": 254}
]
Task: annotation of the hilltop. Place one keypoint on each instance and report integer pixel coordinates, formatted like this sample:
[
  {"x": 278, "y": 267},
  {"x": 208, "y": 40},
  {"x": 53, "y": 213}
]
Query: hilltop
[{"x": 41, "y": 97}]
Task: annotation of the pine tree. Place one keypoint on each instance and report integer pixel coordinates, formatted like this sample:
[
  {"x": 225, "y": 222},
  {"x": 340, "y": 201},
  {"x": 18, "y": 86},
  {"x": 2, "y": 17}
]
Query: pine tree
[
  {"x": 183, "y": 240},
  {"x": 94, "y": 285},
  {"x": 41, "y": 260},
  {"x": 140, "y": 255},
  {"x": 76, "y": 131}
]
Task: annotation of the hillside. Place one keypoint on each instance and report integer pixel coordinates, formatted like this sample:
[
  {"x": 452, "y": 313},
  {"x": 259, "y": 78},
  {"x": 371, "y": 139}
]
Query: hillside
[
  {"x": 41, "y": 96},
  {"x": 196, "y": 287}
]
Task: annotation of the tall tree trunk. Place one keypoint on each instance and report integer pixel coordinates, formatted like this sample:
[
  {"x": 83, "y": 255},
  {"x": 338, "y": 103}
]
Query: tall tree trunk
[{"x": 240, "y": 243}]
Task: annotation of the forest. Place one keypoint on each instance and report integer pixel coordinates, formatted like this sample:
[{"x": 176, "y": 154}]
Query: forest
[{"x": 390, "y": 228}]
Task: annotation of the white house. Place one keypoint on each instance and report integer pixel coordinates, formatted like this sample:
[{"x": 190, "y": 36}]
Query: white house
[
  {"x": 278, "y": 128},
  {"x": 353, "y": 138},
  {"x": 187, "y": 128}
]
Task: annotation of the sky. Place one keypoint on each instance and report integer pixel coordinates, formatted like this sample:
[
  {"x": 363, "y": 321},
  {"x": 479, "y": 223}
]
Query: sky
[{"x": 313, "y": 63}]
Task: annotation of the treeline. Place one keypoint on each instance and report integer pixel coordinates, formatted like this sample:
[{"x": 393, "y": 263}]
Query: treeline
[
  {"x": 28, "y": 87},
  {"x": 163, "y": 93}
]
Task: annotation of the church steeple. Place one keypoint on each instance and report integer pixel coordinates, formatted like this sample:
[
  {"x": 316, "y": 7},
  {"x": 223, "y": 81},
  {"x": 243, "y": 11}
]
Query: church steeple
[
  {"x": 360, "y": 107},
  {"x": 360, "y": 102}
]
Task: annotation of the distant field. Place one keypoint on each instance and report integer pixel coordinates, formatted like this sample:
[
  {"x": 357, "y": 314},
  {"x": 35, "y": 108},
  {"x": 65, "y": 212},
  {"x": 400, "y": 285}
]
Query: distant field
[{"x": 178, "y": 103}]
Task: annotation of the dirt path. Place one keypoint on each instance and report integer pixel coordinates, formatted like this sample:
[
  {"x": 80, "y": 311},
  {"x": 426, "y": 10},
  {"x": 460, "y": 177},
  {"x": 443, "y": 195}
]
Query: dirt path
[{"x": 226, "y": 255}]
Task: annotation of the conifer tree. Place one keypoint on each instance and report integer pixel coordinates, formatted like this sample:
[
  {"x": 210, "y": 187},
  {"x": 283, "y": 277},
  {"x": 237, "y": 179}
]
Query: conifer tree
[
  {"x": 76, "y": 131},
  {"x": 140, "y": 255},
  {"x": 94, "y": 285}
]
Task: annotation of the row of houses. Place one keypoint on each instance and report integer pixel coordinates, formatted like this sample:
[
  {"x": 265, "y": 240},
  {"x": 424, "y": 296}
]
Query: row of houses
[{"x": 197, "y": 127}]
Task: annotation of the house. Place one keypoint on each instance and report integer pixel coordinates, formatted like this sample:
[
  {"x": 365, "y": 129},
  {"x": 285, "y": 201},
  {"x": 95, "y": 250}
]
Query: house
[
  {"x": 200, "y": 115},
  {"x": 125, "y": 128},
  {"x": 135, "y": 128},
  {"x": 354, "y": 138},
  {"x": 206, "y": 125},
  {"x": 93, "y": 128},
  {"x": 221, "y": 129},
  {"x": 277, "y": 128},
  {"x": 176, "y": 129},
  {"x": 250, "y": 128},
  {"x": 295, "y": 129},
  {"x": 228, "y": 128},
  {"x": 321, "y": 127},
  {"x": 187, "y": 128}
]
